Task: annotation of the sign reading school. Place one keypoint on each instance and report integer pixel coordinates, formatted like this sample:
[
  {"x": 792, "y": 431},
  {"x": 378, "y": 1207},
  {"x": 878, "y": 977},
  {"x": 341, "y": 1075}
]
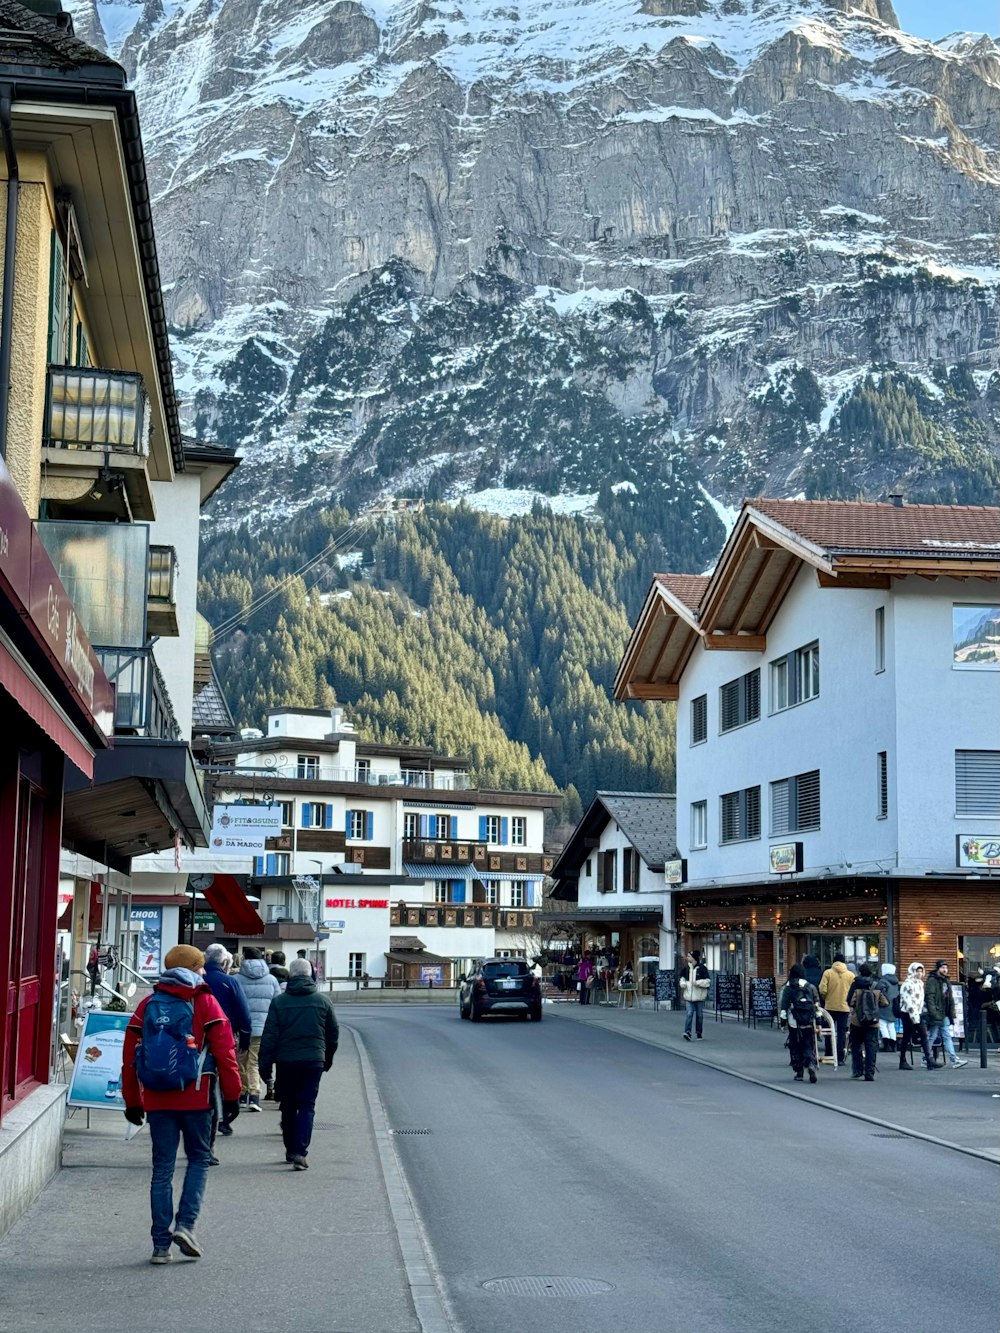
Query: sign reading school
[{"x": 243, "y": 830}]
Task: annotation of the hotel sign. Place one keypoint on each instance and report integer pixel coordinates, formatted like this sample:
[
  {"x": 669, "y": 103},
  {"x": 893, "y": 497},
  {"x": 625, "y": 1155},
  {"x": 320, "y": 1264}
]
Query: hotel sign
[
  {"x": 978, "y": 851},
  {"x": 785, "y": 858}
]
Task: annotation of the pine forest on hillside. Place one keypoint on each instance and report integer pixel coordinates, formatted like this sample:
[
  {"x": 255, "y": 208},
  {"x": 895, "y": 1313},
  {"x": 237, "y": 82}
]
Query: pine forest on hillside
[{"x": 491, "y": 639}]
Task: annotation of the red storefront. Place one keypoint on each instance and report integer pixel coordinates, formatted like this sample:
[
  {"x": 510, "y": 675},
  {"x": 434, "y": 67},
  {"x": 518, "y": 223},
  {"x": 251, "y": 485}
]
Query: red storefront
[{"x": 56, "y": 709}]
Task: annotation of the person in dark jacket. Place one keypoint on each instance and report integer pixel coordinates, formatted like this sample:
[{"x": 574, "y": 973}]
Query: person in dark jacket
[
  {"x": 939, "y": 998},
  {"x": 278, "y": 969},
  {"x": 299, "y": 1040},
  {"x": 800, "y": 1020},
  {"x": 813, "y": 969},
  {"x": 864, "y": 1034},
  {"x": 228, "y": 991}
]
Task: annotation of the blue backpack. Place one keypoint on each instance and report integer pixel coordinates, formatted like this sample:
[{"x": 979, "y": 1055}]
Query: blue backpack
[{"x": 167, "y": 1059}]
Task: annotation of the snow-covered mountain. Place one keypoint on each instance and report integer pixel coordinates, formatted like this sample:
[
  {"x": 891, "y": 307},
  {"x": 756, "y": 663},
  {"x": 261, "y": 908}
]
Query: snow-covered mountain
[{"x": 565, "y": 244}]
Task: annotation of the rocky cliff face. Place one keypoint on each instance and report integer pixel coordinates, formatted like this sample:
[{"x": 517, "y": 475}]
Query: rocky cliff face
[{"x": 562, "y": 243}]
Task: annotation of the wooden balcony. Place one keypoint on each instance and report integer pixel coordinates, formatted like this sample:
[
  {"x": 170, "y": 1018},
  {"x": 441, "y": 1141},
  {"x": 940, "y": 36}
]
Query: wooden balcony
[
  {"x": 433, "y": 850},
  {"x": 460, "y": 915},
  {"x": 372, "y": 858}
]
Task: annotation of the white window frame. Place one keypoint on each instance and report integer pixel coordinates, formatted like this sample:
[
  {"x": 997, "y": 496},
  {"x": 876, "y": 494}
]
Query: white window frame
[
  {"x": 282, "y": 863},
  {"x": 287, "y": 813},
  {"x": 518, "y": 831},
  {"x": 492, "y": 892},
  {"x": 442, "y": 891},
  {"x": 356, "y": 965},
  {"x": 307, "y": 767},
  {"x": 317, "y": 813},
  {"x": 494, "y": 828},
  {"x": 794, "y": 677},
  {"x": 879, "y": 639},
  {"x": 362, "y": 770},
  {"x": 411, "y": 826},
  {"x": 699, "y": 825},
  {"x": 358, "y": 818},
  {"x": 516, "y": 893},
  {"x": 442, "y": 828}
]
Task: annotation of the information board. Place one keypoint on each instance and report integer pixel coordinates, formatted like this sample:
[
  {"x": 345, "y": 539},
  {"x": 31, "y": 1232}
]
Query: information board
[
  {"x": 666, "y": 986},
  {"x": 958, "y": 1027},
  {"x": 728, "y": 993},
  {"x": 97, "y": 1073},
  {"x": 763, "y": 999}
]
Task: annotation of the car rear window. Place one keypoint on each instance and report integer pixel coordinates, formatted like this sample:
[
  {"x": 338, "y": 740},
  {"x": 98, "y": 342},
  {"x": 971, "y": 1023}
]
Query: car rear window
[{"x": 505, "y": 968}]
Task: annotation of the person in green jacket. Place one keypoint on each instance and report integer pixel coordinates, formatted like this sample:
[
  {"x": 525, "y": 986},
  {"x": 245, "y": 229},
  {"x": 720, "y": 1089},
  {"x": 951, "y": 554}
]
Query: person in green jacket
[{"x": 300, "y": 1040}]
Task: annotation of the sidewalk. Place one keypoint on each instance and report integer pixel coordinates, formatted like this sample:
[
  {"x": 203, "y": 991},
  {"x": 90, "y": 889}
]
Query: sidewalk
[
  {"x": 960, "y": 1107},
  {"x": 284, "y": 1250}
]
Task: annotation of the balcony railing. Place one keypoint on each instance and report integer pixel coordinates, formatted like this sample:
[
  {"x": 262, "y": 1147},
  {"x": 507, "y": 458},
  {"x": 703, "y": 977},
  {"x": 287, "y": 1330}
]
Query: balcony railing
[
  {"x": 96, "y": 409},
  {"x": 142, "y": 704},
  {"x": 425, "y": 778}
]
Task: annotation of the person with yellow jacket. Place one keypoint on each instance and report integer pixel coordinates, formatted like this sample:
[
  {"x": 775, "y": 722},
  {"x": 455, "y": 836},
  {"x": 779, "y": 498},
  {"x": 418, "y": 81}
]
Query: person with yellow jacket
[{"x": 833, "y": 987}]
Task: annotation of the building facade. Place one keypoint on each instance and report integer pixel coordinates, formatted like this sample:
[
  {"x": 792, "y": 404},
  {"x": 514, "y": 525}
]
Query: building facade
[{"x": 838, "y": 737}]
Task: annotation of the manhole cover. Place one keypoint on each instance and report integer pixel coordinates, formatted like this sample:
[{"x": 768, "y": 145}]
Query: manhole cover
[
  {"x": 409, "y": 1131},
  {"x": 548, "y": 1286},
  {"x": 890, "y": 1136}
]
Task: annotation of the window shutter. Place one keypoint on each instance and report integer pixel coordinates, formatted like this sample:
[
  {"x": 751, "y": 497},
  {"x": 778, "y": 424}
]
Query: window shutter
[
  {"x": 328, "y": 816},
  {"x": 423, "y": 826},
  {"x": 483, "y": 829},
  {"x": 305, "y": 817},
  {"x": 731, "y": 816},
  {"x": 779, "y": 807},
  {"x": 600, "y": 872},
  {"x": 883, "y": 783},
  {"x": 751, "y": 683},
  {"x": 751, "y": 828},
  {"x": 347, "y": 823},
  {"x": 807, "y": 801},
  {"x": 977, "y": 783},
  {"x": 454, "y": 826},
  {"x": 258, "y": 865},
  {"x": 271, "y": 864},
  {"x": 369, "y": 825},
  {"x": 729, "y": 706},
  {"x": 529, "y": 893},
  {"x": 504, "y": 831},
  {"x": 458, "y": 890},
  {"x": 699, "y": 719}
]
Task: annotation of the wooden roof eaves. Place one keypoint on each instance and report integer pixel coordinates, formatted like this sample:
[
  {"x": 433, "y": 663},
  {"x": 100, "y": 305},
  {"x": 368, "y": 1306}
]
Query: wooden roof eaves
[{"x": 660, "y": 603}]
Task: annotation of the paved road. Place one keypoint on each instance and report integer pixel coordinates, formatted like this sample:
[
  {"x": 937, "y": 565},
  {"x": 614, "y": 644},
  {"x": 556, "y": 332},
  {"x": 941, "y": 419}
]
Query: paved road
[{"x": 560, "y": 1149}]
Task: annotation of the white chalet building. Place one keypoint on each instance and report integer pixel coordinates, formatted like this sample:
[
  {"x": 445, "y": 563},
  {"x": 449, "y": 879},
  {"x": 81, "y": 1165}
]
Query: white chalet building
[{"x": 838, "y": 734}]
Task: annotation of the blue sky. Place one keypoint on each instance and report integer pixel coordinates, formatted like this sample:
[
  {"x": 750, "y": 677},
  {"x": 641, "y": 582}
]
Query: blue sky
[{"x": 934, "y": 18}]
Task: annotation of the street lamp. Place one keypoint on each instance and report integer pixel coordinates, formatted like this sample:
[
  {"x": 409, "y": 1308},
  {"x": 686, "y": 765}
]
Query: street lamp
[{"x": 319, "y": 909}]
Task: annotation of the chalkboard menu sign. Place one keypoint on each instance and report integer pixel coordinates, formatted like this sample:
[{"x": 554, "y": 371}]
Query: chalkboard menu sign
[
  {"x": 728, "y": 993},
  {"x": 958, "y": 1027},
  {"x": 763, "y": 999},
  {"x": 666, "y": 985}
]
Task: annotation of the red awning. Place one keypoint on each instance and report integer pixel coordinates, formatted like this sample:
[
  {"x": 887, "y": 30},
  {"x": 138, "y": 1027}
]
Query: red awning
[
  {"x": 230, "y": 904},
  {"x": 23, "y": 686}
]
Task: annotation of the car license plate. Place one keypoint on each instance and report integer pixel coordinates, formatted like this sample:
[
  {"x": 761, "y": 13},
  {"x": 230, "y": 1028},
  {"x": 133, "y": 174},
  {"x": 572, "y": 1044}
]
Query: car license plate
[{"x": 508, "y": 984}]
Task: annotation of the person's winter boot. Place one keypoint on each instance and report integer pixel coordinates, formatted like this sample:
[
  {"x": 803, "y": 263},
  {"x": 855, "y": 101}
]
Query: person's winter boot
[{"x": 253, "y": 1104}]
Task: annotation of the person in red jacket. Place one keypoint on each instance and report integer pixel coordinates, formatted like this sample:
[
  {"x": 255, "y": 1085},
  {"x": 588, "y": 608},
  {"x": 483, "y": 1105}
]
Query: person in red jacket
[{"x": 186, "y": 1111}]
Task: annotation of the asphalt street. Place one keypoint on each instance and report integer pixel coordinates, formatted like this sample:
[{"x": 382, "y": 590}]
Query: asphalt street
[{"x": 562, "y": 1151}]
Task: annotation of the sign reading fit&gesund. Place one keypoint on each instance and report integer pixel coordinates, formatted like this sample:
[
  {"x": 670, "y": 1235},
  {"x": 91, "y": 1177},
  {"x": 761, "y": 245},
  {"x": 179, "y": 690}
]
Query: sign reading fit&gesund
[{"x": 243, "y": 830}]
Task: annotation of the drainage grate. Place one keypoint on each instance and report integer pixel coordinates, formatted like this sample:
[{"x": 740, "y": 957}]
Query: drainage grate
[
  {"x": 890, "y": 1136},
  {"x": 547, "y": 1286},
  {"x": 409, "y": 1131}
]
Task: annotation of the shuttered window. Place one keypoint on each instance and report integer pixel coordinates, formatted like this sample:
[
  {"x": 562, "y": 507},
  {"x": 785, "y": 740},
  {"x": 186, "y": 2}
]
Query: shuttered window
[
  {"x": 699, "y": 719},
  {"x": 795, "y": 803},
  {"x": 739, "y": 701},
  {"x": 882, "y": 784},
  {"x": 630, "y": 870},
  {"x": 740, "y": 815},
  {"x": 977, "y": 783}
]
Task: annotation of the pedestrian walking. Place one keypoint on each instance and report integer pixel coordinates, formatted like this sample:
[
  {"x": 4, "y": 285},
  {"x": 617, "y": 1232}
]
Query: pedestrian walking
[
  {"x": 278, "y": 969},
  {"x": 911, "y": 1009},
  {"x": 798, "y": 1007},
  {"x": 301, "y": 953},
  {"x": 834, "y": 984},
  {"x": 299, "y": 1042},
  {"x": 939, "y": 1001},
  {"x": 585, "y": 978},
  {"x": 813, "y": 969},
  {"x": 696, "y": 981},
  {"x": 229, "y": 993},
  {"x": 888, "y": 984},
  {"x": 259, "y": 988},
  {"x": 168, "y": 1043},
  {"x": 865, "y": 1001}
]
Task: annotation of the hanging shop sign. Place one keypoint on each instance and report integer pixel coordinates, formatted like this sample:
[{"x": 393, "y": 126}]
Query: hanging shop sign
[
  {"x": 97, "y": 1073},
  {"x": 785, "y": 858},
  {"x": 243, "y": 830},
  {"x": 978, "y": 851},
  {"x": 676, "y": 872}
]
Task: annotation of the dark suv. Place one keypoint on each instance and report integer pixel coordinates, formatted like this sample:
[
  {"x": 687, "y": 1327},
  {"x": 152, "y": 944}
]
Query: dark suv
[{"x": 500, "y": 986}]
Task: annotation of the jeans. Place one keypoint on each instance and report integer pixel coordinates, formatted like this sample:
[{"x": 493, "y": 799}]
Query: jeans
[
  {"x": 584, "y": 991},
  {"x": 165, "y": 1130},
  {"x": 802, "y": 1048},
  {"x": 864, "y": 1050},
  {"x": 296, "y": 1089},
  {"x": 249, "y": 1072},
  {"x": 942, "y": 1030},
  {"x": 693, "y": 1016}
]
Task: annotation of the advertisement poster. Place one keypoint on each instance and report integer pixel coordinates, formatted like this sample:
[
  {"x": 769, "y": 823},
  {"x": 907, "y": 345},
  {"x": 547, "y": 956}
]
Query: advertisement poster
[
  {"x": 97, "y": 1074},
  {"x": 242, "y": 830},
  {"x": 431, "y": 974},
  {"x": 148, "y": 923}
]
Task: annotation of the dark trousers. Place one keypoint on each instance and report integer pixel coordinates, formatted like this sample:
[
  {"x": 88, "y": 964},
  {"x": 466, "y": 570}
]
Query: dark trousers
[
  {"x": 802, "y": 1048},
  {"x": 864, "y": 1050},
  {"x": 584, "y": 992},
  {"x": 913, "y": 1031},
  {"x": 296, "y": 1089},
  {"x": 840, "y": 1022},
  {"x": 166, "y": 1128}
]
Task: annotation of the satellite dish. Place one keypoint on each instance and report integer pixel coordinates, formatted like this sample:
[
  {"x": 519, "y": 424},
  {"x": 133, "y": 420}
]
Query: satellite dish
[{"x": 130, "y": 989}]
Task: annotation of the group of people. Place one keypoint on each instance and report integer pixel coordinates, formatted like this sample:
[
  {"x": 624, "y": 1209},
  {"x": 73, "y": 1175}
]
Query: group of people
[
  {"x": 870, "y": 1011},
  {"x": 198, "y": 1050},
  {"x": 602, "y": 972}
]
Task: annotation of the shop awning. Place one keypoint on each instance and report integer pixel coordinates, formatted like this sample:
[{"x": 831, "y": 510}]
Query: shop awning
[
  {"x": 518, "y": 876},
  {"x": 228, "y": 900},
  {"x": 437, "y": 871},
  {"x": 604, "y": 916},
  {"x": 27, "y": 690}
]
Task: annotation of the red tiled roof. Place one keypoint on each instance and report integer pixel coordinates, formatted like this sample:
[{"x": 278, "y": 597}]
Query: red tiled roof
[
  {"x": 687, "y": 588},
  {"x": 851, "y": 525}
]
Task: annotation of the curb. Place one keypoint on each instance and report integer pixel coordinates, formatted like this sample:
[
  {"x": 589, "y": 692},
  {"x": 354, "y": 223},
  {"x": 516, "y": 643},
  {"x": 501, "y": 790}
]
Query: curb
[
  {"x": 992, "y": 1158},
  {"x": 423, "y": 1278}
]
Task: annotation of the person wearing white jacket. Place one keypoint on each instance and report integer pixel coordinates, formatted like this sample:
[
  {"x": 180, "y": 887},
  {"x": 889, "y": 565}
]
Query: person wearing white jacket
[
  {"x": 911, "y": 1008},
  {"x": 260, "y": 988}
]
